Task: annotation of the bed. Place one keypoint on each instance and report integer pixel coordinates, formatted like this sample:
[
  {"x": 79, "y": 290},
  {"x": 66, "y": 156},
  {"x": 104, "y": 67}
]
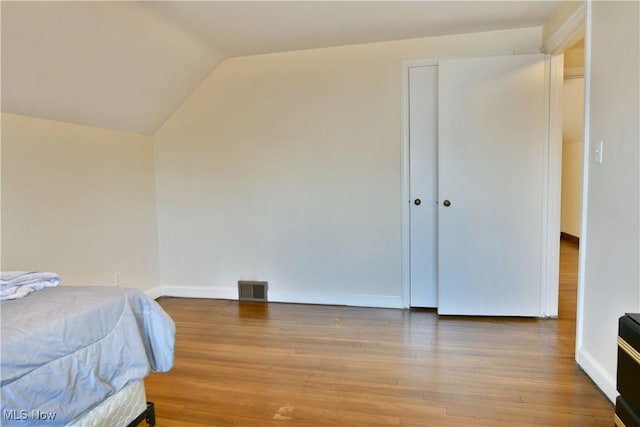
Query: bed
[{"x": 77, "y": 356}]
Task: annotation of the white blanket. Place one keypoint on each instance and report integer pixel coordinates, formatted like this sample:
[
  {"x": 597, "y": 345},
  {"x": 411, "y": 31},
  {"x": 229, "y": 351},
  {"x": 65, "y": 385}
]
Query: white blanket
[{"x": 18, "y": 284}]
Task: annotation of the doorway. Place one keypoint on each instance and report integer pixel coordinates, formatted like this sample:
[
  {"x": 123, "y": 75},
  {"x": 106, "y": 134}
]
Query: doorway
[{"x": 572, "y": 179}]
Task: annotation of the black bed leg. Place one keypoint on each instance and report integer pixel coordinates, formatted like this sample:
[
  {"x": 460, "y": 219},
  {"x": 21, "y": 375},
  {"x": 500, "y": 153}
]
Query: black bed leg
[{"x": 151, "y": 414}]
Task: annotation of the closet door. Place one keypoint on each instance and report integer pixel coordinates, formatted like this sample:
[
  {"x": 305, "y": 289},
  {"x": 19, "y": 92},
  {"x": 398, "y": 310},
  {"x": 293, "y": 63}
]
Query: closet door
[
  {"x": 492, "y": 116},
  {"x": 423, "y": 164}
]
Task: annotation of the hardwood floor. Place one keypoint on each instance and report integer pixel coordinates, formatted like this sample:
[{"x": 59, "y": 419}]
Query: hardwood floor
[{"x": 256, "y": 364}]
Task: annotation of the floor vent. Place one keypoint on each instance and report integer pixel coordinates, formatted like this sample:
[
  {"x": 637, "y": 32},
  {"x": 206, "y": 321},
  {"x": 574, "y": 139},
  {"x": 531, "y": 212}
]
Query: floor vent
[{"x": 250, "y": 290}]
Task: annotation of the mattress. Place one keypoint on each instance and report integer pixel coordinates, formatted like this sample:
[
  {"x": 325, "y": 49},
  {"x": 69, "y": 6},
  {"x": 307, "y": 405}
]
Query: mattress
[
  {"x": 116, "y": 410},
  {"x": 66, "y": 349}
]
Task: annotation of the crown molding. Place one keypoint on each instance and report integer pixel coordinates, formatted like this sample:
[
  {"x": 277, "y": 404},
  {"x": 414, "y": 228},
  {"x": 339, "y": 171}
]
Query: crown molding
[{"x": 570, "y": 32}]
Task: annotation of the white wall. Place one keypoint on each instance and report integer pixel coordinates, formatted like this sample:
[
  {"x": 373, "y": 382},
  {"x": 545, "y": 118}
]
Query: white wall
[
  {"x": 611, "y": 279},
  {"x": 287, "y": 168},
  {"x": 572, "y": 130},
  {"x": 78, "y": 201}
]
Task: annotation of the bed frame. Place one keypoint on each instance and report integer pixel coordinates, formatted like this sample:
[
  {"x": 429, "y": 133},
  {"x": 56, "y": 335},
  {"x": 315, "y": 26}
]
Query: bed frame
[
  {"x": 128, "y": 407},
  {"x": 148, "y": 415}
]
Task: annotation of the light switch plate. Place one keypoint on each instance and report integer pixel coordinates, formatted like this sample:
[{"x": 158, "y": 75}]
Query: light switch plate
[{"x": 598, "y": 152}]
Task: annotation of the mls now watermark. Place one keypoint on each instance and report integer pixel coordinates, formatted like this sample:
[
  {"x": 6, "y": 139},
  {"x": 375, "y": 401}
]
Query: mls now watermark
[{"x": 24, "y": 415}]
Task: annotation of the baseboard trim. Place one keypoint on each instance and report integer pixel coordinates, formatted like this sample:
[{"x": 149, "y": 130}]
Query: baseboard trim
[
  {"x": 378, "y": 301},
  {"x": 598, "y": 375},
  {"x": 569, "y": 237},
  {"x": 200, "y": 292},
  {"x": 154, "y": 293}
]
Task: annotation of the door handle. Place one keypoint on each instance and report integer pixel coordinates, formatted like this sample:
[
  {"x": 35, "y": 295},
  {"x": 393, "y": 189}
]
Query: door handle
[
  {"x": 446, "y": 203},
  {"x": 417, "y": 202}
]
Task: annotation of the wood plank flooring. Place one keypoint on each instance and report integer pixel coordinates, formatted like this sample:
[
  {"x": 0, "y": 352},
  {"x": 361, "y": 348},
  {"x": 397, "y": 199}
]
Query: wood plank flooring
[{"x": 256, "y": 364}]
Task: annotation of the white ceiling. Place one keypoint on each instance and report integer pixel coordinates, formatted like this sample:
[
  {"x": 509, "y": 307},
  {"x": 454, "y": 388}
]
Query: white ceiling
[{"x": 129, "y": 65}]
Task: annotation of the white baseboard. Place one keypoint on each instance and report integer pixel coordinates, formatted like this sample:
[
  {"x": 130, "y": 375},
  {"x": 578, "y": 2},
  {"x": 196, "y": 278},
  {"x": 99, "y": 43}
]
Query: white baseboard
[
  {"x": 154, "y": 293},
  {"x": 380, "y": 301},
  {"x": 599, "y": 376},
  {"x": 199, "y": 292}
]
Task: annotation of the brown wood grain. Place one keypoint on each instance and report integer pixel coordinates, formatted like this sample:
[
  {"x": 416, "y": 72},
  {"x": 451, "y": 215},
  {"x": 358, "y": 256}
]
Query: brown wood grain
[{"x": 268, "y": 364}]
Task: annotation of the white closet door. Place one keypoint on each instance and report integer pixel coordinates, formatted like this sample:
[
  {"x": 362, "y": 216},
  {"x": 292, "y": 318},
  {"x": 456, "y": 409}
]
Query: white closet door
[
  {"x": 493, "y": 115},
  {"x": 423, "y": 158}
]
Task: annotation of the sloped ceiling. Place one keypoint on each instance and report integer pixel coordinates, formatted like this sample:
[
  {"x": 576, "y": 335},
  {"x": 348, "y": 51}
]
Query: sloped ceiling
[
  {"x": 115, "y": 65},
  {"x": 129, "y": 65}
]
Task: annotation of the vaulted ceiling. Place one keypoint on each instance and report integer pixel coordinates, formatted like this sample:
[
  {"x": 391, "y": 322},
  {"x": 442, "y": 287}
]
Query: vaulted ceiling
[{"x": 129, "y": 65}]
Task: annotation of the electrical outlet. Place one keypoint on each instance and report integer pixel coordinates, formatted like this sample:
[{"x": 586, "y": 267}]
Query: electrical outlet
[{"x": 116, "y": 278}]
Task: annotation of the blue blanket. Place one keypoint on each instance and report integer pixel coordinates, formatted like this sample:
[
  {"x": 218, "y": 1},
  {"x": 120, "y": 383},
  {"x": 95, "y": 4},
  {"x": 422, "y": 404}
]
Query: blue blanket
[{"x": 65, "y": 349}]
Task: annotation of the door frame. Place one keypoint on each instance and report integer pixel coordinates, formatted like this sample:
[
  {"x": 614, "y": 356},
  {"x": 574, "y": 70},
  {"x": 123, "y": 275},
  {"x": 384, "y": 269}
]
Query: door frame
[
  {"x": 578, "y": 25},
  {"x": 551, "y": 190}
]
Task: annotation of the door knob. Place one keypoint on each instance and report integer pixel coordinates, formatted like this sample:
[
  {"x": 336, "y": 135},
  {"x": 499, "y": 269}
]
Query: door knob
[
  {"x": 417, "y": 202},
  {"x": 446, "y": 203}
]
